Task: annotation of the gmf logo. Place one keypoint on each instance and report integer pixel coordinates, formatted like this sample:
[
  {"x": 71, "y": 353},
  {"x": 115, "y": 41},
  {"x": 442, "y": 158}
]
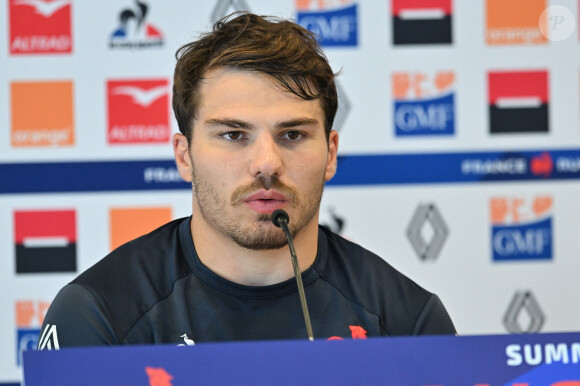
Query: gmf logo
[
  {"x": 424, "y": 103},
  {"x": 334, "y": 22},
  {"x": 29, "y": 318},
  {"x": 521, "y": 228}
]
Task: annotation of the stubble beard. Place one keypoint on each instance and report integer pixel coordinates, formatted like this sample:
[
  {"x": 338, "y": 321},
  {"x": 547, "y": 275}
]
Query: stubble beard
[{"x": 261, "y": 234}]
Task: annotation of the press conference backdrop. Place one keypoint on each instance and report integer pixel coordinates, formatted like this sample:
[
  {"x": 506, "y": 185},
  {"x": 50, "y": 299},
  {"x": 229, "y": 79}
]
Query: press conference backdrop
[{"x": 459, "y": 150}]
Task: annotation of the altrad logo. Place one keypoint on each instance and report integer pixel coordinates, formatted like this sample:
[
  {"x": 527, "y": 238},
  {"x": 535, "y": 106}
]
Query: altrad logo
[
  {"x": 40, "y": 27},
  {"x": 138, "y": 111}
]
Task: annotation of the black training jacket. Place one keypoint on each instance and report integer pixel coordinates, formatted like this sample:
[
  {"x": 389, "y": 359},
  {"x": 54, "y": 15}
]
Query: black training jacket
[{"x": 155, "y": 289}]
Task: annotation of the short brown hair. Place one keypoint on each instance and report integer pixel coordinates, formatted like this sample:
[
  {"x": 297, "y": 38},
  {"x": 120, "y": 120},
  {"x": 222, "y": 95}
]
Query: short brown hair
[{"x": 279, "y": 48}]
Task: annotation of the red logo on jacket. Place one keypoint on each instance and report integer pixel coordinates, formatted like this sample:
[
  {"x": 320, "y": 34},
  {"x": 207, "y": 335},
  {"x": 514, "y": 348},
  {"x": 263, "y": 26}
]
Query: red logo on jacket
[{"x": 357, "y": 332}]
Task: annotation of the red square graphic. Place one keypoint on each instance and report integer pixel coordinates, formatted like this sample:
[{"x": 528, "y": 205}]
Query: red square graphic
[
  {"x": 422, "y": 21},
  {"x": 518, "y": 102},
  {"x": 138, "y": 111},
  {"x": 40, "y": 26},
  {"x": 45, "y": 241}
]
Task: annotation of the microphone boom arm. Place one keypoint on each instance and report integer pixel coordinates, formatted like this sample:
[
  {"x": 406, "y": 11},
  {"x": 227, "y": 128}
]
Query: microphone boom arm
[{"x": 280, "y": 219}]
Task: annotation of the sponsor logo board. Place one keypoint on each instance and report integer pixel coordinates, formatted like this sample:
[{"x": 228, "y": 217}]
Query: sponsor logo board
[
  {"x": 134, "y": 30},
  {"x": 225, "y": 7},
  {"x": 335, "y": 23},
  {"x": 138, "y": 111},
  {"x": 523, "y": 309},
  {"x": 422, "y": 21},
  {"x": 420, "y": 168},
  {"x": 518, "y": 102},
  {"x": 427, "y": 231},
  {"x": 424, "y": 104},
  {"x": 40, "y": 27},
  {"x": 521, "y": 228},
  {"x": 42, "y": 114},
  {"x": 45, "y": 241},
  {"x": 515, "y": 22},
  {"x": 29, "y": 318},
  {"x": 127, "y": 224}
]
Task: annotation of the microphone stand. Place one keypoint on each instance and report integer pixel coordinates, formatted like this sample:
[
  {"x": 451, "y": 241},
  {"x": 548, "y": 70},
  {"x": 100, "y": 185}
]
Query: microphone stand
[{"x": 280, "y": 218}]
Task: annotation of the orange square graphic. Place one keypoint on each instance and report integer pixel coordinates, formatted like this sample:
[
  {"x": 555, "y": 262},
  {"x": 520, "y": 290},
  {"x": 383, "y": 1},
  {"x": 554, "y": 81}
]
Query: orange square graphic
[
  {"x": 42, "y": 114},
  {"x": 30, "y": 313},
  {"x": 514, "y": 21},
  {"x": 127, "y": 224}
]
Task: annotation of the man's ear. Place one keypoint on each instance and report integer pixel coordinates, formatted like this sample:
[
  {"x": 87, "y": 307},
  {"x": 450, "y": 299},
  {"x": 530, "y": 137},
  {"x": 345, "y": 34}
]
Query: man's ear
[
  {"x": 332, "y": 154},
  {"x": 182, "y": 158}
]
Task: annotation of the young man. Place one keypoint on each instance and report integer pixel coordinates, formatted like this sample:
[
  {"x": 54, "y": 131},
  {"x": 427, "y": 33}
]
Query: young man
[{"x": 255, "y": 100}]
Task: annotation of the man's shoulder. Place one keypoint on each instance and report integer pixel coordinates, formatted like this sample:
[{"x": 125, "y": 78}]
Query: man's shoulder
[
  {"x": 374, "y": 284},
  {"x": 135, "y": 276},
  {"x": 154, "y": 252},
  {"x": 357, "y": 259}
]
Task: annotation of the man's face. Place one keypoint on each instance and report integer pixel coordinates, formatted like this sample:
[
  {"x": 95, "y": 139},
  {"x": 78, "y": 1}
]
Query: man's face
[{"x": 255, "y": 149}]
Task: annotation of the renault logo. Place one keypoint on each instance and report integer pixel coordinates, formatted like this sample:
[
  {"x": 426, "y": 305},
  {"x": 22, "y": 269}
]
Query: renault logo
[
  {"x": 523, "y": 301},
  {"x": 343, "y": 108},
  {"x": 222, "y": 8},
  {"x": 427, "y": 215}
]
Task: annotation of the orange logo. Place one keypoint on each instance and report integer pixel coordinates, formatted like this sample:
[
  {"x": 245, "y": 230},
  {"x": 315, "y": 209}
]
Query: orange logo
[
  {"x": 515, "y": 21},
  {"x": 42, "y": 114},
  {"x": 130, "y": 223}
]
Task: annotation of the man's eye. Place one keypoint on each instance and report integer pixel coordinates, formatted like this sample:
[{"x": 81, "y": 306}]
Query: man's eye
[
  {"x": 232, "y": 135},
  {"x": 293, "y": 135}
]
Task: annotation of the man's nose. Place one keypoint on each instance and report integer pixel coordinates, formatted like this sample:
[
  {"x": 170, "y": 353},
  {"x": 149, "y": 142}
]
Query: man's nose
[{"x": 266, "y": 157}]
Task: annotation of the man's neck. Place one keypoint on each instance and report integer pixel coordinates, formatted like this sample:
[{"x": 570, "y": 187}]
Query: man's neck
[{"x": 250, "y": 267}]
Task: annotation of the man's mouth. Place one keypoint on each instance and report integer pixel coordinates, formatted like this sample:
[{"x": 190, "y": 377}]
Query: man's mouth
[{"x": 266, "y": 201}]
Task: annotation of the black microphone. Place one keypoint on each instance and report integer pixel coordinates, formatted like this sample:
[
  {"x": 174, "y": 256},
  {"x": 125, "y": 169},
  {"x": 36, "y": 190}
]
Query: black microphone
[{"x": 281, "y": 219}]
